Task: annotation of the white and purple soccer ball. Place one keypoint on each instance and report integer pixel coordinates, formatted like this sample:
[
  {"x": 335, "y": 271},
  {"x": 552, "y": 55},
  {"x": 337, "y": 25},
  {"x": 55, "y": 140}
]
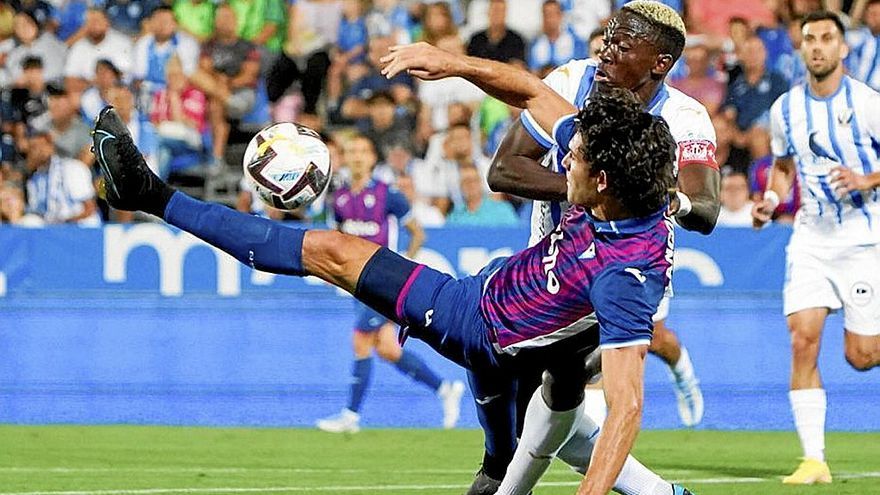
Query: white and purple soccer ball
[{"x": 287, "y": 164}]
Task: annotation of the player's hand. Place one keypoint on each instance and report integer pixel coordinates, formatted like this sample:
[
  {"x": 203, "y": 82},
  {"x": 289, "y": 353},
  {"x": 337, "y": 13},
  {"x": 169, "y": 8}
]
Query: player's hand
[
  {"x": 762, "y": 212},
  {"x": 844, "y": 180},
  {"x": 419, "y": 60}
]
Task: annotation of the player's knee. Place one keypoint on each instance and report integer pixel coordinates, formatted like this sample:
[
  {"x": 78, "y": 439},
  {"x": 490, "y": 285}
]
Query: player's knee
[
  {"x": 860, "y": 360},
  {"x": 388, "y": 351},
  {"x": 328, "y": 246},
  {"x": 804, "y": 345}
]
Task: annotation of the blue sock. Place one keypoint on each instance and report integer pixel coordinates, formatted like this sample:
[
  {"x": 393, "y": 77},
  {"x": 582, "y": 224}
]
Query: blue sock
[
  {"x": 257, "y": 242},
  {"x": 360, "y": 381},
  {"x": 412, "y": 366},
  {"x": 495, "y": 399}
]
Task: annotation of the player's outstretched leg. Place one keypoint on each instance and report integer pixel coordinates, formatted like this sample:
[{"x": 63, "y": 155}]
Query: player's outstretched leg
[{"x": 667, "y": 347}]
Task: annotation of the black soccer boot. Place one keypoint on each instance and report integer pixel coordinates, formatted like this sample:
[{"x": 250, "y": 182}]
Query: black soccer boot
[
  {"x": 483, "y": 484},
  {"x": 128, "y": 184}
]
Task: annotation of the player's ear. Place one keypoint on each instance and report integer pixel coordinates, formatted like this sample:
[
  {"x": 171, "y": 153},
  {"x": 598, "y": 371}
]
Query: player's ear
[
  {"x": 662, "y": 65},
  {"x": 844, "y": 48},
  {"x": 602, "y": 181}
]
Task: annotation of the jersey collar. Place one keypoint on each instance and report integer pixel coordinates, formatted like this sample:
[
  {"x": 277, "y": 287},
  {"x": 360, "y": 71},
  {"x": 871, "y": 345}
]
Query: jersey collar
[{"x": 629, "y": 225}]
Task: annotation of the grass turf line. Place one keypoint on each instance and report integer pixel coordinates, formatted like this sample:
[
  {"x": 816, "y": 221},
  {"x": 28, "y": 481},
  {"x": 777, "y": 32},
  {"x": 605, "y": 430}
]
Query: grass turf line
[{"x": 95, "y": 460}]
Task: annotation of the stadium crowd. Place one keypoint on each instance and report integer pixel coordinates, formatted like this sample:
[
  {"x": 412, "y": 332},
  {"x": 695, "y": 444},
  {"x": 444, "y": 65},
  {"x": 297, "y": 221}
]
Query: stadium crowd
[{"x": 196, "y": 79}]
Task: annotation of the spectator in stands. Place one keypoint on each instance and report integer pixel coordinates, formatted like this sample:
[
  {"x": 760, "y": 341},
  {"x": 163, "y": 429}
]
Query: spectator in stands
[
  {"x": 99, "y": 41},
  {"x": 71, "y": 137},
  {"x": 31, "y": 42},
  {"x": 775, "y": 35},
  {"x": 748, "y": 102},
  {"x": 557, "y": 43},
  {"x": 399, "y": 161},
  {"x": 12, "y": 207},
  {"x": 736, "y": 205},
  {"x": 585, "y": 16},
  {"x": 153, "y": 50},
  {"x": 25, "y": 106},
  {"x": 96, "y": 97},
  {"x": 354, "y": 104},
  {"x": 791, "y": 66},
  {"x": 425, "y": 213},
  {"x": 437, "y": 22},
  {"x": 386, "y": 122},
  {"x": 59, "y": 189},
  {"x": 758, "y": 175},
  {"x": 436, "y": 96},
  {"x": 390, "y": 18},
  {"x": 477, "y": 208},
  {"x": 438, "y": 178},
  {"x": 195, "y": 17},
  {"x": 678, "y": 5},
  {"x": 128, "y": 15},
  {"x": 228, "y": 70},
  {"x": 305, "y": 57},
  {"x": 263, "y": 23},
  {"x": 527, "y": 26},
  {"x": 71, "y": 16},
  {"x": 351, "y": 44},
  {"x": 864, "y": 58},
  {"x": 497, "y": 42},
  {"x": 701, "y": 82},
  {"x": 179, "y": 113}
]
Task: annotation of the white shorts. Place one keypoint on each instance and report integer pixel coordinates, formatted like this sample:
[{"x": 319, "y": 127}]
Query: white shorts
[
  {"x": 836, "y": 278},
  {"x": 662, "y": 309}
]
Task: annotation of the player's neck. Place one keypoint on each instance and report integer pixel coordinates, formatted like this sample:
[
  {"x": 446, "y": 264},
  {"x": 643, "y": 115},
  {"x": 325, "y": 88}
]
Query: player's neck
[
  {"x": 647, "y": 92},
  {"x": 610, "y": 211},
  {"x": 827, "y": 86},
  {"x": 359, "y": 183}
]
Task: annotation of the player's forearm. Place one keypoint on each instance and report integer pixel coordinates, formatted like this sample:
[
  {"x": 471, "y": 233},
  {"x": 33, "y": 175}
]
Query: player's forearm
[
  {"x": 614, "y": 444},
  {"x": 523, "y": 177},
  {"x": 702, "y": 186},
  {"x": 516, "y": 87},
  {"x": 781, "y": 177}
]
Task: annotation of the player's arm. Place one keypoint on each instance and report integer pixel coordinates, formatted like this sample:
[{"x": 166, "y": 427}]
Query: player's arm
[
  {"x": 515, "y": 168},
  {"x": 416, "y": 237},
  {"x": 696, "y": 204},
  {"x": 509, "y": 84},
  {"x": 781, "y": 175},
  {"x": 622, "y": 372}
]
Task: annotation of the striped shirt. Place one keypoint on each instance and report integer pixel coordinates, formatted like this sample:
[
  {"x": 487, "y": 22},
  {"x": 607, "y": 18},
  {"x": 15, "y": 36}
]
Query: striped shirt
[
  {"x": 863, "y": 61},
  {"x": 58, "y": 192},
  {"x": 687, "y": 118},
  {"x": 820, "y": 134}
]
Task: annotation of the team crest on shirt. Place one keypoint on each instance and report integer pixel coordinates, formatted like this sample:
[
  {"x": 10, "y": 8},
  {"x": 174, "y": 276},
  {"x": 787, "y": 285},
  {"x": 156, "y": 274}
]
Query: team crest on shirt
[
  {"x": 845, "y": 117},
  {"x": 369, "y": 201},
  {"x": 861, "y": 293}
]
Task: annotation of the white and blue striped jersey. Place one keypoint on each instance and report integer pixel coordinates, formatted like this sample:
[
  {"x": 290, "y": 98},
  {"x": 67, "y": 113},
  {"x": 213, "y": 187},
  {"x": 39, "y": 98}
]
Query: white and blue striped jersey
[
  {"x": 820, "y": 134},
  {"x": 863, "y": 61},
  {"x": 687, "y": 118},
  {"x": 57, "y": 192}
]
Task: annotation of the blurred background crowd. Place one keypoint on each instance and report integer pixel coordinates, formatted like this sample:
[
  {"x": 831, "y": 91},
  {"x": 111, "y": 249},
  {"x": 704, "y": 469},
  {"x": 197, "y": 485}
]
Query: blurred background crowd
[{"x": 196, "y": 79}]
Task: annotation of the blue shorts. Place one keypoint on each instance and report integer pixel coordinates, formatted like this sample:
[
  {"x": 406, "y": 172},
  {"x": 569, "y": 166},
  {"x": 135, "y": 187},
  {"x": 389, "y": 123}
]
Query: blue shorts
[{"x": 368, "y": 319}]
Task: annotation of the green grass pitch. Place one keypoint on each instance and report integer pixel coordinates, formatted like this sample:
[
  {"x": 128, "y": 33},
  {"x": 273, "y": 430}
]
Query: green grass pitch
[{"x": 129, "y": 460}]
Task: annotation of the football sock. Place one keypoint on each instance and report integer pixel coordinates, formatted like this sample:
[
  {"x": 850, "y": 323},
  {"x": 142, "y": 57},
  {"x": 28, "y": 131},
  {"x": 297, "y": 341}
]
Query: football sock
[
  {"x": 594, "y": 405},
  {"x": 634, "y": 478},
  {"x": 544, "y": 433},
  {"x": 808, "y": 407},
  {"x": 257, "y": 242},
  {"x": 361, "y": 371},
  {"x": 683, "y": 369},
  {"x": 496, "y": 412},
  {"x": 412, "y": 366}
]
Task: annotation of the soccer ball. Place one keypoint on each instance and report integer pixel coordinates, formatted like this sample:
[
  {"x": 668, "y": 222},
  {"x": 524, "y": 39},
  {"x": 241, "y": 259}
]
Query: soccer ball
[{"x": 287, "y": 165}]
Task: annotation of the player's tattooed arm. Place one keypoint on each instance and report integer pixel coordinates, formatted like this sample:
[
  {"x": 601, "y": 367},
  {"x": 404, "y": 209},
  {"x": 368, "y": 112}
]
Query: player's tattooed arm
[
  {"x": 702, "y": 186},
  {"x": 509, "y": 84},
  {"x": 515, "y": 168}
]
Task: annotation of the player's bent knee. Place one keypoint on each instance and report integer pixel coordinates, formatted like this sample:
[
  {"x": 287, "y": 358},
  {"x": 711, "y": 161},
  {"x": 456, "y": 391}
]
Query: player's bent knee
[
  {"x": 861, "y": 360},
  {"x": 803, "y": 345}
]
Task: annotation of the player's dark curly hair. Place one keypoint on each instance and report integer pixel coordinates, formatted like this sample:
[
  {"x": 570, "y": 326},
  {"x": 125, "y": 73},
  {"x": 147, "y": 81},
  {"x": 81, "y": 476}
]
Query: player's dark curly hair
[{"x": 634, "y": 148}]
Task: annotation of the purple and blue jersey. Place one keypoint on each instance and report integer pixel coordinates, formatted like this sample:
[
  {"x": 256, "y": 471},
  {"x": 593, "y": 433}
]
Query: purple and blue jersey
[
  {"x": 585, "y": 272},
  {"x": 367, "y": 213}
]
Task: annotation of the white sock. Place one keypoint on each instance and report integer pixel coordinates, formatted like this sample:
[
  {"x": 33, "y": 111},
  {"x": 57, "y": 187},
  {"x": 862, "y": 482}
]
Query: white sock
[
  {"x": 808, "y": 407},
  {"x": 594, "y": 405},
  {"x": 634, "y": 478},
  {"x": 544, "y": 433},
  {"x": 683, "y": 369}
]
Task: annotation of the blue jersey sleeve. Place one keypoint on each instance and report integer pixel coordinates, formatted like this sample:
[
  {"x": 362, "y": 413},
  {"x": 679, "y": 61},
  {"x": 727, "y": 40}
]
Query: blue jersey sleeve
[
  {"x": 563, "y": 130},
  {"x": 625, "y": 299},
  {"x": 397, "y": 203}
]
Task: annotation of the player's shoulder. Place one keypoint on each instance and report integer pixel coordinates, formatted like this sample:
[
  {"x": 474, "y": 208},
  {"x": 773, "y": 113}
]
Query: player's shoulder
[{"x": 688, "y": 119}]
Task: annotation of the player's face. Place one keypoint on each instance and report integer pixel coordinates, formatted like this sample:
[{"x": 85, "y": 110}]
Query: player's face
[
  {"x": 582, "y": 185},
  {"x": 628, "y": 57},
  {"x": 823, "y": 48}
]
